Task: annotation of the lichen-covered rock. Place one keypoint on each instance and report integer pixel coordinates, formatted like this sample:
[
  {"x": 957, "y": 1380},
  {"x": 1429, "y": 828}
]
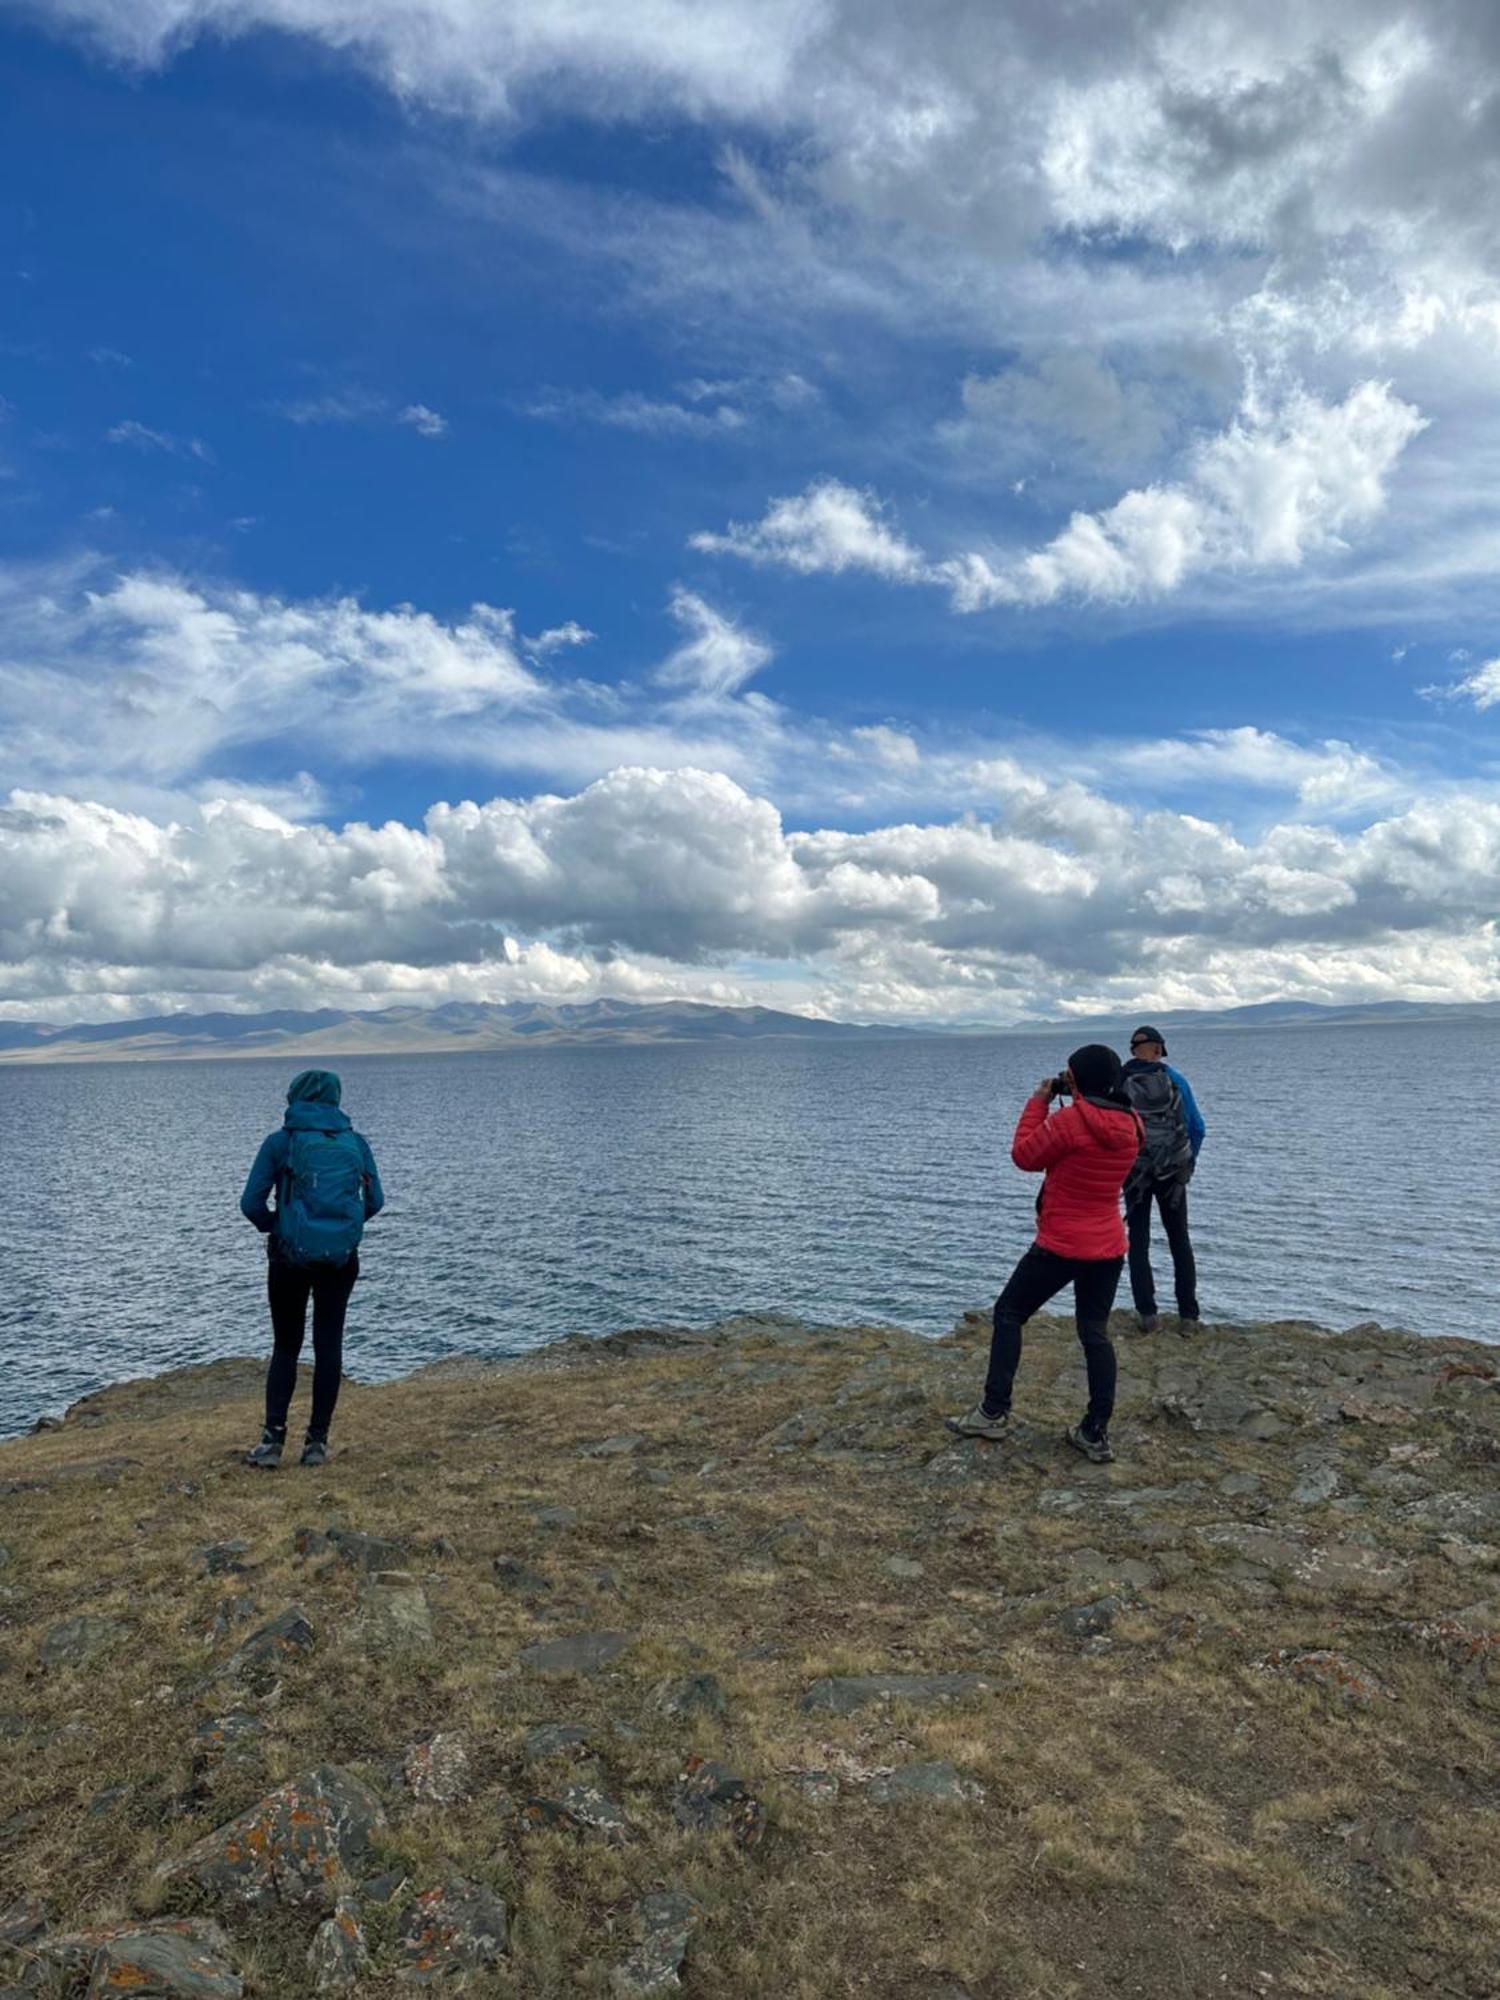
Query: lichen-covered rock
[
  {"x": 339, "y": 1955},
  {"x": 223, "y": 1558},
  {"x": 711, "y": 1798},
  {"x": 297, "y": 1846},
  {"x": 555, "y": 1739},
  {"x": 185, "y": 1958},
  {"x": 78, "y": 1642},
  {"x": 437, "y": 1771},
  {"x": 393, "y": 1616},
  {"x": 580, "y": 1809},
  {"x": 695, "y": 1694},
  {"x": 843, "y": 1694},
  {"x": 666, "y": 1922},
  {"x": 924, "y": 1784},
  {"x": 235, "y": 1739},
  {"x": 451, "y": 1931}
]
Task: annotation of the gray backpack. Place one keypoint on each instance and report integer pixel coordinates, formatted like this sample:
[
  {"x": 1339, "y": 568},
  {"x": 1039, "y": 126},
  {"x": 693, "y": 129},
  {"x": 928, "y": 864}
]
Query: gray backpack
[{"x": 1166, "y": 1155}]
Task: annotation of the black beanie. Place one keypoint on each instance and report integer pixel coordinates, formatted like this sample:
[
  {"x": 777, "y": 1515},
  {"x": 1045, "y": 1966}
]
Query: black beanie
[{"x": 1096, "y": 1070}]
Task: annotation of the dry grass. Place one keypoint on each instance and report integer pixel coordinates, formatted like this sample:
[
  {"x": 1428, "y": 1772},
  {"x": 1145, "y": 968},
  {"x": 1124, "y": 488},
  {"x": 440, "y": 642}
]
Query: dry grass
[{"x": 1160, "y": 1816}]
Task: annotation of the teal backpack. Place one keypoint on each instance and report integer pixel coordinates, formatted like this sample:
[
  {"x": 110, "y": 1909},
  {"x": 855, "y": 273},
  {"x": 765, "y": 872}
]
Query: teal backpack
[{"x": 320, "y": 1213}]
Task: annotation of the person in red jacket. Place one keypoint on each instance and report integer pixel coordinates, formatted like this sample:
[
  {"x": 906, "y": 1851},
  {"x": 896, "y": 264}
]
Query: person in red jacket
[{"x": 1086, "y": 1151}]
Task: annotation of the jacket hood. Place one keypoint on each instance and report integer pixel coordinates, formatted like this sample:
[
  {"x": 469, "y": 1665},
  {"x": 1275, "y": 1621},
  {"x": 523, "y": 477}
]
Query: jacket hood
[
  {"x": 312, "y": 1103},
  {"x": 1112, "y": 1126}
]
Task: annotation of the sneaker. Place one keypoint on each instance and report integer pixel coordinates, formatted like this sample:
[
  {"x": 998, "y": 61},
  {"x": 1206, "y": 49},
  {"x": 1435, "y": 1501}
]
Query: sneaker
[
  {"x": 1097, "y": 1450},
  {"x": 1147, "y": 1322},
  {"x": 267, "y": 1454},
  {"x": 315, "y": 1450},
  {"x": 977, "y": 1425}
]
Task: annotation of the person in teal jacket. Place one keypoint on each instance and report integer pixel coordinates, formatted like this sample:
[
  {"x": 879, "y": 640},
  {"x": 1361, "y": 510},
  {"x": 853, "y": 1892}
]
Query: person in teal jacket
[
  {"x": 1174, "y": 1132},
  {"x": 323, "y": 1176}
]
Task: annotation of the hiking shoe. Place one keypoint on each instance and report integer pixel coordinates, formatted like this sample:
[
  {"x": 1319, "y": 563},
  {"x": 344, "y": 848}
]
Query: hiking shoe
[
  {"x": 1147, "y": 1322},
  {"x": 977, "y": 1425},
  {"x": 1188, "y": 1324},
  {"x": 267, "y": 1454},
  {"x": 1097, "y": 1450},
  {"x": 315, "y": 1450}
]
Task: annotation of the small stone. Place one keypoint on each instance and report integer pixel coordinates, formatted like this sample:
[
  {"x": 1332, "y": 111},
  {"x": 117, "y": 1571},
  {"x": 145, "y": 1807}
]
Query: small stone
[
  {"x": 450, "y": 1931},
  {"x": 843, "y": 1694},
  {"x": 294, "y": 1847},
  {"x": 1090, "y": 1621},
  {"x": 78, "y": 1642},
  {"x": 580, "y": 1809},
  {"x": 711, "y": 1798},
  {"x": 666, "y": 1922},
  {"x": 555, "y": 1739},
  {"x": 185, "y": 1958},
  {"x": 907, "y": 1568},
  {"x": 437, "y": 1770},
  {"x": 382, "y": 1888},
  {"x": 393, "y": 1616},
  {"x": 605, "y": 1582},
  {"x": 223, "y": 1558},
  {"x": 283, "y": 1639},
  {"x": 1116, "y": 1573},
  {"x": 512, "y": 1574},
  {"x": 555, "y": 1517},
  {"x": 370, "y": 1553},
  {"x": 621, "y": 1445},
  {"x": 339, "y": 1955},
  {"x": 580, "y": 1653},
  {"x": 697, "y": 1694},
  {"x": 1239, "y": 1485},
  {"x": 235, "y": 1738},
  {"x": 924, "y": 1784},
  {"x": 806, "y": 1427}
]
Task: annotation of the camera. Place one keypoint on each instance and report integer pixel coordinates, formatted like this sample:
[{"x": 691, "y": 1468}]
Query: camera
[{"x": 1061, "y": 1085}]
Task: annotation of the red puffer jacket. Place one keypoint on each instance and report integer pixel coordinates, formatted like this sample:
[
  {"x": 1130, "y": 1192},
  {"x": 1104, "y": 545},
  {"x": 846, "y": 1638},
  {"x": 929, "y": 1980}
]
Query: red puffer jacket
[{"x": 1085, "y": 1151}]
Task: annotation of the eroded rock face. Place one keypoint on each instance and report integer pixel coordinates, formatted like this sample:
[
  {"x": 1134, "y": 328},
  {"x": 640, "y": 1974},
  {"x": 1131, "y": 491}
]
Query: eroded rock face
[
  {"x": 580, "y": 1653},
  {"x": 297, "y": 1846},
  {"x": 843, "y": 1694},
  {"x": 447, "y": 1932},
  {"x": 78, "y": 1642},
  {"x": 185, "y": 1958}
]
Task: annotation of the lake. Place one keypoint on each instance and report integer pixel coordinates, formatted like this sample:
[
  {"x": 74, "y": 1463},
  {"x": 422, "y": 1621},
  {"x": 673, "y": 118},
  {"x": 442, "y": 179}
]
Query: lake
[{"x": 1349, "y": 1174}]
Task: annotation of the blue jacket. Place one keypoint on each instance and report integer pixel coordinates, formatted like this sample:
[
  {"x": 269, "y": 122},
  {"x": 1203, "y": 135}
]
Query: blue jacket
[
  {"x": 312, "y": 1106},
  {"x": 1195, "y": 1125}
]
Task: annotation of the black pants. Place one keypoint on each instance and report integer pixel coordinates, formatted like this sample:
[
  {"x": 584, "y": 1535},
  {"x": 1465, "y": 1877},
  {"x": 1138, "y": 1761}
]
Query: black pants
[
  {"x": 288, "y": 1287},
  {"x": 1173, "y": 1203},
  {"x": 1041, "y": 1275}
]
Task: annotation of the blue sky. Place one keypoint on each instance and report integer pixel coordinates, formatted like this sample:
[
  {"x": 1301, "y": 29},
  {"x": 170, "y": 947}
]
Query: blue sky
[{"x": 970, "y": 514}]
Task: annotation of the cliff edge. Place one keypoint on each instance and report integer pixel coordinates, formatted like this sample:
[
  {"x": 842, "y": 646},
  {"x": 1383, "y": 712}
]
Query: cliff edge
[{"x": 709, "y": 1661}]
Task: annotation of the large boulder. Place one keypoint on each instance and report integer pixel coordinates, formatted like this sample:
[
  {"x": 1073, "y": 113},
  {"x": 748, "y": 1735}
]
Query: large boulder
[{"x": 299, "y": 1845}]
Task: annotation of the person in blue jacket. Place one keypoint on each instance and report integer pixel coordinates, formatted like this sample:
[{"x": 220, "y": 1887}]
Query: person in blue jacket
[
  {"x": 323, "y": 1175},
  {"x": 1173, "y": 1137}
]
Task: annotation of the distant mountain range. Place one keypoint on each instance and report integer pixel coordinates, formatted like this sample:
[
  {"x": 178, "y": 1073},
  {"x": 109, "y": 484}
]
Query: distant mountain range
[
  {"x": 334, "y": 1031},
  {"x": 517, "y": 1024}
]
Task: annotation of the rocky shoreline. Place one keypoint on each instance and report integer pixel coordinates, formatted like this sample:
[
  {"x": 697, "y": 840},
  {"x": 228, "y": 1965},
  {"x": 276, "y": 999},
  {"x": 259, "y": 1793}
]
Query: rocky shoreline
[{"x": 706, "y": 1660}]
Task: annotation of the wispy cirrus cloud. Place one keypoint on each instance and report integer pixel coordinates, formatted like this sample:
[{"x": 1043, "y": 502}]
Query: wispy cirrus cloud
[{"x": 143, "y": 437}]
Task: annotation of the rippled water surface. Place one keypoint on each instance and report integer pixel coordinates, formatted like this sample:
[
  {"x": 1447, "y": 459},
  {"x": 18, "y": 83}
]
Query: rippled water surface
[{"x": 1349, "y": 1174}]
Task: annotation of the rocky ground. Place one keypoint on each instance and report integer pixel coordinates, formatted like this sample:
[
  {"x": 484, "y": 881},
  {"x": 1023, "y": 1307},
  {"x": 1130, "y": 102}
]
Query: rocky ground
[{"x": 710, "y": 1661}]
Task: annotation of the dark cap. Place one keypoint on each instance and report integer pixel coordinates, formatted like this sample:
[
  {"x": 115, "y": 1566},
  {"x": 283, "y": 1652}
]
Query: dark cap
[
  {"x": 1147, "y": 1033},
  {"x": 1096, "y": 1070}
]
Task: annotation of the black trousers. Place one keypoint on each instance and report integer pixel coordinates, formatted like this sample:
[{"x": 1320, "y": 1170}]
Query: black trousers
[
  {"x": 1041, "y": 1275},
  {"x": 1173, "y": 1203},
  {"x": 288, "y": 1287}
]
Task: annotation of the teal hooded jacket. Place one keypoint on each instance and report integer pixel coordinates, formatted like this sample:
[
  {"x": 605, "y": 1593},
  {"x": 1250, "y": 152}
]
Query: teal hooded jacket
[{"x": 312, "y": 1105}]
